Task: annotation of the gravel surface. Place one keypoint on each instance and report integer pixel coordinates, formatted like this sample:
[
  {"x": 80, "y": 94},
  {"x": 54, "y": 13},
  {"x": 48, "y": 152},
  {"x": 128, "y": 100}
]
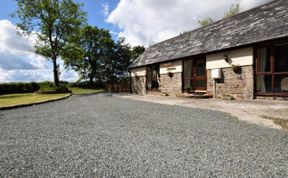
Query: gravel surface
[{"x": 105, "y": 136}]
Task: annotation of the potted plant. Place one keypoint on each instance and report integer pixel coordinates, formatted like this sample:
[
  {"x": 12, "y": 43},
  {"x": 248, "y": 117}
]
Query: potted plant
[
  {"x": 236, "y": 68},
  {"x": 170, "y": 74}
]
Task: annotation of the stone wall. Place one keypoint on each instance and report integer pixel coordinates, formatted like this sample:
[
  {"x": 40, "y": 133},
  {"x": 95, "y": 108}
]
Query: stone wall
[
  {"x": 138, "y": 85},
  {"x": 171, "y": 85},
  {"x": 240, "y": 86}
]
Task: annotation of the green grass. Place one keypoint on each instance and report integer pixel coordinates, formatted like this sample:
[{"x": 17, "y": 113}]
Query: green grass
[
  {"x": 30, "y": 98},
  {"x": 81, "y": 91},
  {"x": 27, "y": 98}
]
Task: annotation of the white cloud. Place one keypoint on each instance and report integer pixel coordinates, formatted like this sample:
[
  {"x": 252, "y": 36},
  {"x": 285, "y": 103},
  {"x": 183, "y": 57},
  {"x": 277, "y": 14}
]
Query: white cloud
[
  {"x": 4, "y": 76},
  {"x": 105, "y": 9},
  {"x": 248, "y": 4},
  {"x": 35, "y": 75},
  {"x": 18, "y": 62},
  {"x": 149, "y": 21}
]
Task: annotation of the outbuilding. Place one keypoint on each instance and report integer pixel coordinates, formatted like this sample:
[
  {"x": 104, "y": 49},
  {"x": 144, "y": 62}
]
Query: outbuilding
[{"x": 245, "y": 57}]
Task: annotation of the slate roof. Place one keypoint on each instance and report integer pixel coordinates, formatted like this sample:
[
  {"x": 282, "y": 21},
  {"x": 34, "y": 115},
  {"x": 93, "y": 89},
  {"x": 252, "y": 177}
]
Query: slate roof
[{"x": 266, "y": 22}]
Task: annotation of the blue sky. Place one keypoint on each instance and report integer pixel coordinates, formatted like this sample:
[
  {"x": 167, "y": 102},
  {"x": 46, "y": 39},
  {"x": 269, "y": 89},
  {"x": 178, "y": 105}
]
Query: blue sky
[
  {"x": 18, "y": 65},
  {"x": 94, "y": 9},
  {"x": 95, "y": 14},
  {"x": 141, "y": 22}
]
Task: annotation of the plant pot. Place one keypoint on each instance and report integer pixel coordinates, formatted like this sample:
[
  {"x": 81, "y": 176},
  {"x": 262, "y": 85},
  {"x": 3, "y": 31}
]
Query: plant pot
[
  {"x": 236, "y": 69},
  {"x": 170, "y": 74}
]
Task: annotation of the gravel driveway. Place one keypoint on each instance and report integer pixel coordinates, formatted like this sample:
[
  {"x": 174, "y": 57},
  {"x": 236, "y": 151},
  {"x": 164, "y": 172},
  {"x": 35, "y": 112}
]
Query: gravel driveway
[{"x": 104, "y": 136}]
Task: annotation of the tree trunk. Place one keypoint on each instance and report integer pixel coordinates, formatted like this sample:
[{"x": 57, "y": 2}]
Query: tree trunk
[
  {"x": 93, "y": 73},
  {"x": 55, "y": 71},
  {"x": 91, "y": 77}
]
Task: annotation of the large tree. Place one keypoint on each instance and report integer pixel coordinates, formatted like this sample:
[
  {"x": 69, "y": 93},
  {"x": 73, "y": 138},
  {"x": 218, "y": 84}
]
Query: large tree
[
  {"x": 89, "y": 53},
  {"x": 117, "y": 66},
  {"x": 97, "y": 58},
  {"x": 54, "y": 21},
  {"x": 136, "y": 51}
]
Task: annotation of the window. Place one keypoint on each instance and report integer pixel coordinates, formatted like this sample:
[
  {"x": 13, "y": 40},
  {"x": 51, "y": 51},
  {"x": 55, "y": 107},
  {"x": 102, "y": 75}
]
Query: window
[
  {"x": 264, "y": 84},
  {"x": 281, "y": 83},
  {"x": 281, "y": 58},
  {"x": 272, "y": 70},
  {"x": 264, "y": 64}
]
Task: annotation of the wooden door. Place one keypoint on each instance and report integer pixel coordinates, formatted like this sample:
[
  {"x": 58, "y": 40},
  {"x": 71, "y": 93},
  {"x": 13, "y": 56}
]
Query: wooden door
[{"x": 199, "y": 74}]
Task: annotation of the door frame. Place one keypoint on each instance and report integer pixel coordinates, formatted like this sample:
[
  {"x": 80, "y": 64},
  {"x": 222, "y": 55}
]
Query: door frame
[
  {"x": 194, "y": 78},
  {"x": 149, "y": 67}
]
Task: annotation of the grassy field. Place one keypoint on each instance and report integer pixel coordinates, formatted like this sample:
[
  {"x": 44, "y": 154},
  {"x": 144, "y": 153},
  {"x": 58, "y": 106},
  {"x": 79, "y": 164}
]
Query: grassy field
[
  {"x": 81, "y": 91},
  {"x": 27, "y": 98}
]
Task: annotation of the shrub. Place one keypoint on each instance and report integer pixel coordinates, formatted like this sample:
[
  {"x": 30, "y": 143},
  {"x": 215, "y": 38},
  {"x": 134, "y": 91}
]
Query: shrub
[
  {"x": 18, "y": 87},
  {"x": 48, "y": 87}
]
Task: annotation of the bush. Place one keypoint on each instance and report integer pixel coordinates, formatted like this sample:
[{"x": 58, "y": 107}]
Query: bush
[
  {"x": 18, "y": 87},
  {"x": 48, "y": 87},
  {"x": 44, "y": 87}
]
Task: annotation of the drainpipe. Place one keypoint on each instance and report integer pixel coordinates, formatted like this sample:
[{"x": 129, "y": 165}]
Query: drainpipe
[
  {"x": 214, "y": 88},
  {"x": 130, "y": 82}
]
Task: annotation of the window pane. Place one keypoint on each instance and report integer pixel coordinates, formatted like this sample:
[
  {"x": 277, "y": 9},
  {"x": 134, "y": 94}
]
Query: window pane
[
  {"x": 281, "y": 83},
  {"x": 281, "y": 58},
  {"x": 154, "y": 75},
  {"x": 188, "y": 69},
  {"x": 264, "y": 83},
  {"x": 148, "y": 75},
  {"x": 201, "y": 83},
  {"x": 201, "y": 70},
  {"x": 264, "y": 60}
]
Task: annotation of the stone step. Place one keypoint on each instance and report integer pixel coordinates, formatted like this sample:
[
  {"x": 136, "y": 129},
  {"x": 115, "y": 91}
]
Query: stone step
[
  {"x": 195, "y": 96},
  {"x": 199, "y": 92}
]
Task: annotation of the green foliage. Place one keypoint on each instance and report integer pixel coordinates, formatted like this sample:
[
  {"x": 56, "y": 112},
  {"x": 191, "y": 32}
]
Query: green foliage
[
  {"x": 8, "y": 88},
  {"x": 53, "y": 21},
  {"x": 87, "y": 55},
  {"x": 234, "y": 10},
  {"x": 97, "y": 58},
  {"x": 48, "y": 87},
  {"x": 117, "y": 66},
  {"x": 205, "y": 22},
  {"x": 136, "y": 51}
]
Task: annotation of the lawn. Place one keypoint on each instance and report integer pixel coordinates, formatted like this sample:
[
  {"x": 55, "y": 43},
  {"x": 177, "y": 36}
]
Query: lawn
[
  {"x": 81, "y": 91},
  {"x": 27, "y": 98}
]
